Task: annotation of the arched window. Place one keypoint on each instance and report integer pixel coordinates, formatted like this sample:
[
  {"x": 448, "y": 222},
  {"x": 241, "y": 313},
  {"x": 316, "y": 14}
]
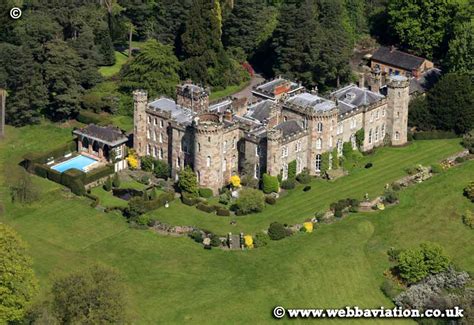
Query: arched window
[
  {"x": 148, "y": 149},
  {"x": 320, "y": 127},
  {"x": 318, "y": 163},
  {"x": 370, "y": 136},
  {"x": 319, "y": 143},
  {"x": 161, "y": 123},
  {"x": 208, "y": 161}
]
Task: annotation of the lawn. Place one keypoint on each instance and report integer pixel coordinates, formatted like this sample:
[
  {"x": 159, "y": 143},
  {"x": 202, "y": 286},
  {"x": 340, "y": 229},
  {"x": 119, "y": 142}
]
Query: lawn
[
  {"x": 216, "y": 95},
  {"x": 124, "y": 122},
  {"x": 109, "y": 71},
  {"x": 388, "y": 165},
  {"x": 173, "y": 280},
  {"x": 107, "y": 199}
]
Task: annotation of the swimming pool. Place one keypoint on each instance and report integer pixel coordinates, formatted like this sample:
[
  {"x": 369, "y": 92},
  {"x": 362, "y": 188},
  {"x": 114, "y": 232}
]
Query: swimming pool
[{"x": 79, "y": 162}]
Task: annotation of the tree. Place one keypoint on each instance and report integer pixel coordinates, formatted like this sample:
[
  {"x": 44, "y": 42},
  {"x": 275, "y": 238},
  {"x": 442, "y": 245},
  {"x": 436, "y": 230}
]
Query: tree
[
  {"x": 451, "y": 103},
  {"x": 22, "y": 188},
  {"x": 422, "y": 26},
  {"x": 468, "y": 141},
  {"x": 460, "y": 57},
  {"x": 155, "y": 69},
  {"x": 335, "y": 159},
  {"x": 95, "y": 295},
  {"x": 292, "y": 170},
  {"x": 116, "y": 180},
  {"x": 250, "y": 200},
  {"x": 187, "y": 181},
  {"x": 419, "y": 114},
  {"x": 108, "y": 185},
  {"x": 360, "y": 137},
  {"x": 18, "y": 283}
]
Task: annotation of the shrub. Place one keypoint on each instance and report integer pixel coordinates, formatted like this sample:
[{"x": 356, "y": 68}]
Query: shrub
[
  {"x": 98, "y": 173},
  {"x": 224, "y": 198},
  {"x": 220, "y": 211},
  {"x": 270, "y": 200},
  {"x": 338, "y": 213},
  {"x": 270, "y": 184},
  {"x": 468, "y": 141},
  {"x": 73, "y": 179},
  {"x": 261, "y": 239},
  {"x": 205, "y": 207},
  {"x": 187, "y": 181},
  {"x": 416, "y": 263},
  {"x": 396, "y": 186},
  {"x": 147, "y": 163},
  {"x": 335, "y": 159},
  {"x": 390, "y": 196},
  {"x": 276, "y": 231},
  {"x": 132, "y": 159},
  {"x": 468, "y": 219},
  {"x": 368, "y": 165},
  {"x": 460, "y": 160},
  {"x": 469, "y": 191},
  {"x": 249, "y": 181},
  {"x": 108, "y": 185},
  {"x": 144, "y": 220},
  {"x": 303, "y": 177},
  {"x": 161, "y": 169},
  {"x": 360, "y": 135},
  {"x": 248, "y": 241},
  {"x": 215, "y": 240},
  {"x": 196, "y": 235},
  {"x": 288, "y": 184},
  {"x": 307, "y": 188},
  {"x": 250, "y": 200},
  {"x": 390, "y": 289},
  {"x": 188, "y": 199},
  {"x": 205, "y": 192},
  {"x": 308, "y": 226},
  {"x": 116, "y": 181},
  {"x": 411, "y": 170},
  {"x": 235, "y": 181}
]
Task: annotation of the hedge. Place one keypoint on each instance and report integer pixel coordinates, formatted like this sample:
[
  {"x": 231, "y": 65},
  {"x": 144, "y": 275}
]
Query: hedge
[
  {"x": 220, "y": 211},
  {"x": 88, "y": 117},
  {"x": 99, "y": 173},
  {"x": 288, "y": 184},
  {"x": 188, "y": 199},
  {"x": 42, "y": 157},
  {"x": 40, "y": 170},
  {"x": 74, "y": 179},
  {"x": 54, "y": 176},
  {"x": 205, "y": 207},
  {"x": 431, "y": 135},
  {"x": 205, "y": 192},
  {"x": 159, "y": 201},
  {"x": 270, "y": 184},
  {"x": 95, "y": 199}
]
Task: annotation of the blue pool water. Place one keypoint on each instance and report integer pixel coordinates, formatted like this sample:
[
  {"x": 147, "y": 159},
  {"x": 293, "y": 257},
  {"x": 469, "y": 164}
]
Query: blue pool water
[{"x": 79, "y": 162}]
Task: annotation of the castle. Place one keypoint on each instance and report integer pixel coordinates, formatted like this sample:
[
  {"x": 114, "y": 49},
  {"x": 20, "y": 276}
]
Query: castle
[{"x": 283, "y": 123}]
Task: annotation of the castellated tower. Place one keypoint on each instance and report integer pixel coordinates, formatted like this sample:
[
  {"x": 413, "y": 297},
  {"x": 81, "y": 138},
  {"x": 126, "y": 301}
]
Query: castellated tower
[
  {"x": 140, "y": 102},
  {"x": 193, "y": 97},
  {"x": 273, "y": 152},
  {"x": 208, "y": 156},
  {"x": 397, "y": 104}
]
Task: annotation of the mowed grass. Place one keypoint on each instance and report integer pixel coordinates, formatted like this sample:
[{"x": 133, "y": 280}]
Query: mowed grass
[
  {"x": 174, "y": 280},
  {"x": 216, "y": 95},
  {"x": 110, "y": 71},
  {"x": 389, "y": 164}
]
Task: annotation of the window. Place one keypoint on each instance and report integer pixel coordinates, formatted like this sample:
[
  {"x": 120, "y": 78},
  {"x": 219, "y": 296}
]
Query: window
[
  {"x": 377, "y": 115},
  {"x": 118, "y": 152},
  {"x": 398, "y": 114},
  {"x": 382, "y": 135},
  {"x": 318, "y": 163},
  {"x": 319, "y": 144},
  {"x": 154, "y": 136},
  {"x": 370, "y": 136},
  {"x": 234, "y": 143},
  {"x": 148, "y": 150},
  {"x": 148, "y": 134},
  {"x": 149, "y": 119},
  {"x": 320, "y": 127},
  {"x": 353, "y": 123},
  {"x": 155, "y": 151},
  {"x": 161, "y": 137},
  {"x": 298, "y": 146},
  {"x": 198, "y": 174},
  {"x": 224, "y": 165},
  {"x": 305, "y": 122},
  {"x": 285, "y": 171},
  {"x": 199, "y": 147},
  {"x": 256, "y": 151},
  {"x": 372, "y": 117},
  {"x": 284, "y": 151},
  {"x": 330, "y": 142},
  {"x": 340, "y": 128},
  {"x": 161, "y": 123},
  {"x": 285, "y": 118},
  {"x": 383, "y": 112},
  {"x": 339, "y": 147},
  {"x": 160, "y": 155},
  {"x": 397, "y": 135},
  {"x": 353, "y": 141},
  {"x": 208, "y": 139},
  {"x": 155, "y": 121},
  {"x": 208, "y": 161},
  {"x": 299, "y": 165},
  {"x": 376, "y": 134},
  {"x": 224, "y": 147}
]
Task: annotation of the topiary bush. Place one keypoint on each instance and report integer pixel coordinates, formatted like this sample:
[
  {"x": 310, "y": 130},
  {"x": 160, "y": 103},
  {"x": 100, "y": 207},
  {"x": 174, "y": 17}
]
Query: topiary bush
[
  {"x": 205, "y": 192},
  {"x": 306, "y": 188},
  {"x": 288, "y": 184},
  {"x": 276, "y": 231},
  {"x": 188, "y": 199},
  {"x": 269, "y": 184}
]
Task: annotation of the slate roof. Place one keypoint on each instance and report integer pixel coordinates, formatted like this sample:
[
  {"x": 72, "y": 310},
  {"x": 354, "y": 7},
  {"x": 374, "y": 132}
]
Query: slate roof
[
  {"x": 260, "y": 111},
  {"x": 268, "y": 88},
  {"x": 425, "y": 82},
  {"x": 221, "y": 106},
  {"x": 110, "y": 135},
  {"x": 313, "y": 101},
  {"x": 397, "y": 58},
  {"x": 290, "y": 127},
  {"x": 179, "y": 114},
  {"x": 351, "y": 97}
]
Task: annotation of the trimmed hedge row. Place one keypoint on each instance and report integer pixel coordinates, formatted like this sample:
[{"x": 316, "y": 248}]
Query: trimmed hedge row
[
  {"x": 224, "y": 212},
  {"x": 188, "y": 199},
  {"x": 99, "y": 173},
  {"x": 42, "y": 157},
  {"x": 431, "y": 135},
  {"x": 206, "y": 207}
]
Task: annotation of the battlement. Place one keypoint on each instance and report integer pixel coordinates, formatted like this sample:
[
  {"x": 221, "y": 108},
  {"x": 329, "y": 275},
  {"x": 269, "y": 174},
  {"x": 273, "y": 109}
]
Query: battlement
[{"x": 398, "y": 82}]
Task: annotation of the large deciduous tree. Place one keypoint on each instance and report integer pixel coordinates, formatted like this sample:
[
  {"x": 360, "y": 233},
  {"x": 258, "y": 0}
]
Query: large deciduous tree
[
  {"x": 154, "y": 69},
  {"x": 18, "y": 283}
]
